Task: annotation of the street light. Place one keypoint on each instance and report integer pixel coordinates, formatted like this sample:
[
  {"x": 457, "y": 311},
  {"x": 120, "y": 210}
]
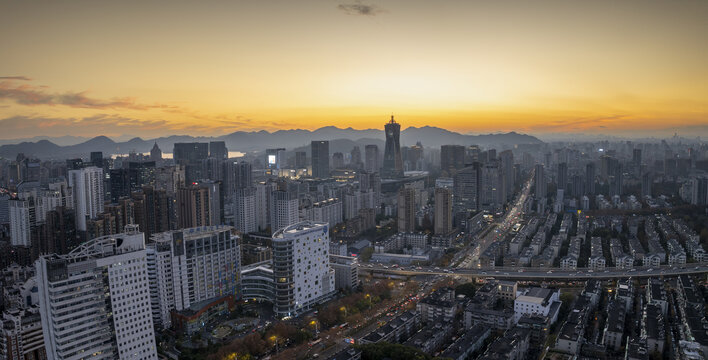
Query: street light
[
  {"x": 313, "y": 322},
  {"x": 343, "y": 308},
  {"x": 369, "y": 297}
]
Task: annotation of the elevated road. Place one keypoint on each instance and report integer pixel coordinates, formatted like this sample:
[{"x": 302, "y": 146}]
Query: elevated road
[{"x": 540, "y": 273}]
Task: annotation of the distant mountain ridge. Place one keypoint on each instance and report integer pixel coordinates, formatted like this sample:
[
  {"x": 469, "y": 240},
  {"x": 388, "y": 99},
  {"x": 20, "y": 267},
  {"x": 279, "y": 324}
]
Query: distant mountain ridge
[{"x": 260, "y": 140}]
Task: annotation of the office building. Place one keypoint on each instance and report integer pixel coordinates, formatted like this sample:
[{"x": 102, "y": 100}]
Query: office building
[
  {"x": 303, "y": 276},
  {"x": 191, "y": 156},
  {"x": 392, "y": 162},
  {"x": 320, "y": 159},
  {"x": 466, "y": 188},
  {"x": 155, "y": 153},
  {"x": 96, "y": 300},
  {"x": 541, "y": 185}
]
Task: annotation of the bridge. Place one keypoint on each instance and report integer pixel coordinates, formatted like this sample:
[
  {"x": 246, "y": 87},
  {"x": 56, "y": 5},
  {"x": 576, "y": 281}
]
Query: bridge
[{"x": 532, "y": 273}]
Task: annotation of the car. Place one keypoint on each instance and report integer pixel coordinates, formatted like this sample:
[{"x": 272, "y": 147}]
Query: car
[
  {"x": 650, "y": 270},
  {"x": 550, "y": 272}
]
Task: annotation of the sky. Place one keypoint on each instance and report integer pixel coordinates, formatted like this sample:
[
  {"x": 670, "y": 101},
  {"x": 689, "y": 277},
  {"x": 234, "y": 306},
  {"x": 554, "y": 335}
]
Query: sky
[{"x": 153, "y": 68}]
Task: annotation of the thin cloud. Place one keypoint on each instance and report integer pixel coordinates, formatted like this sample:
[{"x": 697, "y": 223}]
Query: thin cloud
[
  {"x": 359, "y": 8},
  {"x": 23, "y": 78},
  {"x": 30, "y": 95}
]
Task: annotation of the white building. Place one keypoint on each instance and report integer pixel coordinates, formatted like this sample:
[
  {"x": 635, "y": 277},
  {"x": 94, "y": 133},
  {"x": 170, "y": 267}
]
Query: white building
[
  {"x": 537, "y": 301},
  {"x": 191, "y": 265},
  {"x": 244, "y": 210},
  {"x": 87, "y": 184},
  {"x": 284, "y": 209},
  {"x": 95, "y": 301},
  {"x": 20, "y": 223},
  {"x": 303, "y": 276}
]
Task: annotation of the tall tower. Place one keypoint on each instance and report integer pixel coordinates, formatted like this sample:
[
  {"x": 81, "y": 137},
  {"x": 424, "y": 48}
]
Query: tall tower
[
  {"x": 320, "y": 159},
  {"x": 393, "y": 162},
  {"x": 88, "y": 193}
]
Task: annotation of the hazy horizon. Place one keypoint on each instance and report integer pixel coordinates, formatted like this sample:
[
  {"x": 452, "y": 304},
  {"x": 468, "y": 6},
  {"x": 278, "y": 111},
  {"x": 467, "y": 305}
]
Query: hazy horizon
[{"x": 86, "y": 68}]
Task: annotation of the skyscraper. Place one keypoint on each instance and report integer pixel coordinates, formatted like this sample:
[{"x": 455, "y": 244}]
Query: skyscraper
[
  {"x": 506, "y": 159},
  {"x": 155, "y": 153},
  {"x": 466, "y": 188},
  {"x": 590, "y": 178},
  {"x": 562, "y": 180},
  {"x": 356, "y": 158},
  {"x": 393, "y": 162},
  {"x": 372, "y": 158},
  {"x": 443, "y": 211},
  {"x": 303, "y": 276},
  {"x": 646, "y": 184},
  {"x": 88, "y": 194},
  {"x": 191, "y": 155},
  {"x": 541, "y": 185},
  {"x": 406, "y": 209},
  {"x": 320, "y": 159},
  {"x": 452, "y": 158},
  {"x": 491, "y": 183},
  {"x": 95, "y": 301}
]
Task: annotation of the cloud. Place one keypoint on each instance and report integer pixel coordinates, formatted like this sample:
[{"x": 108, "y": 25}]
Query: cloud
[
  {"x": 23, "y": 78},
  {"x": 31, "y": 95},
  {"x": 100, "y": 124},
  {"x": 359, "y": 8}
]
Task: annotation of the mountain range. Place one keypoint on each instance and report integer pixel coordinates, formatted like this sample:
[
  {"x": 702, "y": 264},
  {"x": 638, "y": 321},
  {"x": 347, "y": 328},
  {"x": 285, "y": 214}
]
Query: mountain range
[{"x": 260, "y": 140}]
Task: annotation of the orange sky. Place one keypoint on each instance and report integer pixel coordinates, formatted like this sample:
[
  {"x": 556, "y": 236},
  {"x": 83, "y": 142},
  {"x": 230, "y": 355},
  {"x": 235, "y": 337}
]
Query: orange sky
[{"x": 152, "y": 68}]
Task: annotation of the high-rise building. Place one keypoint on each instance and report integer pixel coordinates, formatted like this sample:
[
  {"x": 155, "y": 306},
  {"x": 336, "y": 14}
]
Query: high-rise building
[
  {"x": 320, "y": 159},
  {"x": 338, "y": 160},
  {"x": 244, "y": 209},
  {"x": 406, "y": 209},
  {"x": 491, "y": 183},
  {"x": 647, "y": 180},
  {"x": 355, "y": 162},
  {"x": 190, "y": 266},
  {"x": 275, "y": 158},
  {"x": 193, "y": 207},
  {"x": 283, "y": 209},
  {"x": 443, "y": 211},
  {"x": 506, "y": 162},
  {"x": 452, "y": 158},
  {"x": 392, "y": 162},
  {"x": 263, "y": 206},
  {"x": 466, "y": 188},
  {"x": 300, "y": 160},
  {"x": 590, "y": 178},
  {"x": 372, "y": 158},
  {"x": 541, "y": 185},
  {"x": 191, "y": 156},
  {"x": 303, "y": 276},
  {"x": 217, "y": 150},
  {"x": 21, "y": 334},
  {"x": 562, "y": 179},
  {"x": 96, "y": 158},
  {"x": 95, "y": 301},
  {"x": 155, "y": 153},
  {"x": 88, "y": 194},
  {"x": 699, "y": 191},
  {"x": 151, "y": 209},
  {"x": 21, "y": 214},
  {"x": 637, "y": 160}
]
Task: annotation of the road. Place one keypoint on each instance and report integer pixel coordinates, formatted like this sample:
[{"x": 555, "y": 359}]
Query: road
[
  {"x": 541, "y": 273},
  {"x": 500, "y": 230}
]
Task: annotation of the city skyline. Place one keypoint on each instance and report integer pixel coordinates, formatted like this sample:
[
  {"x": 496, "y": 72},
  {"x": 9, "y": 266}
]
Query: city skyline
[{"x": 470, "y": 67}]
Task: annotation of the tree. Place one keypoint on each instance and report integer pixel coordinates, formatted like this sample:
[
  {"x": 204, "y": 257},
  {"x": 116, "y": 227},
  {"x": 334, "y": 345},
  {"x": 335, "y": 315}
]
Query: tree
[{"x": 466, "y": 289}]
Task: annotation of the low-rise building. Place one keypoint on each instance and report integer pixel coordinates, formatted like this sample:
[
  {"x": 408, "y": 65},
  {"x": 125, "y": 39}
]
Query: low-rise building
[
  {"x": 467, "y": 344},
  {"x": 536, "y": 301},
  {"x": 440, "y": 305}
]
